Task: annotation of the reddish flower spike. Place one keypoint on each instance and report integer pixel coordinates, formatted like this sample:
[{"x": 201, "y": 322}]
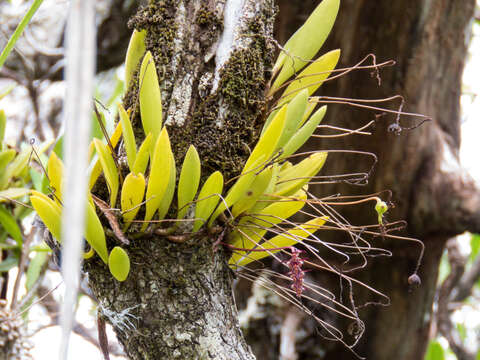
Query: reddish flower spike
[{"x": 296, "y": 273}]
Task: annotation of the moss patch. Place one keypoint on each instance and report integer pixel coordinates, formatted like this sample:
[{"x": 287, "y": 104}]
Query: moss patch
[
  {"x": 241, "y": 98},
  {"x": 159, "y": 20}
]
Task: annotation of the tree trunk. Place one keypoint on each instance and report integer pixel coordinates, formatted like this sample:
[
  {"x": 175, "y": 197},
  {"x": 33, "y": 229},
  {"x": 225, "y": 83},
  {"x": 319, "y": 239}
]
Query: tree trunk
[
  {"x": 176, "y": 304},
  {"x": 428, "y": 40},
  {"x": 213, "y": 59}
]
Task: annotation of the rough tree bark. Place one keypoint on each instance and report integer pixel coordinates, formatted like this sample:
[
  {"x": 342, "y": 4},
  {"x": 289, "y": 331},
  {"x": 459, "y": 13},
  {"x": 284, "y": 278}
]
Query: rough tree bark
[
  {"x": 212, "y": 60},
  {"x": 428, "y": 40}
]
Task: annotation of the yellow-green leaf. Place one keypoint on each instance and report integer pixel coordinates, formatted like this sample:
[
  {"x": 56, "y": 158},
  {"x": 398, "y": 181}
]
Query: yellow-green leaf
[
  {"x": 265, "y": 199},
  {"x": 6, "y": 156},
  {"x": 15, "y": 168},
  {"x": 109, "y": 169},
  {"x": 135, "y": 51},
  {"x": 13, "y": 193},
  {"x": 312, "y": 77},
  {"x": 150, "y": 97},
  {"x": 297, "y": 176},
  {"x": 9, "y": 224},
  {"x": 312, "y": 104},
  {"x": 55, "y": 175},
  {"x": 133, "y": 190},
  {"x": 159, "y": 176},
  {"x": 3, "y": 125},
  {"x": 97, "y": 166},
  {"x": 128, "y": 137},
  {"x": 34, "y": 268},
  {"x": 119, "y": 263},
  {"x": 238, "y": 189},
  {"x": 170, "y": 191},
  {"x": 254, "y": 191},
  {"x": 49, "y": 211},
  {"x": 287, "y": 239},
  {"x": 268, "y": 141},
  {"x": 189, "y": 180},
  {"x": 295, "y": 110},
  {"x": 305, "y": 43},
  {"x": 304, "y": 133},
  {"x": 94, "y": 233},
  {"x": 208, "y": 198},
  {"x": 143, "y": 154},
  {"x": 253, "y": 228}
]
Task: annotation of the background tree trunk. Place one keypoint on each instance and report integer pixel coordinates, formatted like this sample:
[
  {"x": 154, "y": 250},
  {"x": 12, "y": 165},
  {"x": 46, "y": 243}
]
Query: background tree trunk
[{"x": 428, "y": 40}]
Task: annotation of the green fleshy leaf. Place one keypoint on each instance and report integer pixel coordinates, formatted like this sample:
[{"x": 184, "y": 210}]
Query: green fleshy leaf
[
  {"x": 13, "y": 193},
  {"x": 208, "y": 199},
  {"x": 189, "y": 180},
  {"x": 305, "y": 43},
  {"x": 254, "y": 227},
  {"x": 269, "y": 139},
  {"x": 119, "y": 263},
  {"x": 133, "y": 190},
  {"x": 3, "y": 125},
  {"x": 312, "y": 77},
  {"x": 287, "y": 239},
  {"x": 15, "y": 167},
  {"x": 109, "y": 169},
  {"x": 294, "y": 115},
  {"x": 143, "y": 155},
  {"x": 435, "y": 351},
  {"x": 294, "y": 178},
  {"x": 9, "y": 263},
  {"x": 35, "y": 267},
  {"x": 304, "y": 133},
  {"x": 135, "y": 51},
  {"x": 128, "y": 137},
  {"x": 49, "y": 211},
  {"x": 94, "y": 233},
  {"x": 253, "y": 193},
  {"x": 150, "y": 98},
  {"x": 6, "y": 156},
  {"x": 9, "y": 223},
  {"x": 169, "y": 192},
  {"x": 159, "y": 176}
]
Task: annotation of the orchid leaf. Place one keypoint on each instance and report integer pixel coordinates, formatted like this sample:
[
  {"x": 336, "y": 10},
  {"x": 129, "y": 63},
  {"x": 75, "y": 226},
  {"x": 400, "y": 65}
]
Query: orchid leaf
[
  {"x": 305, "y": 43},
  {"x": 49, "y": 211},
  {"x": 287, "y": 239},
  {"x": 133, "y": 191},
  {"x": 159, "y": 175},
  {"x": 94, "y": 233},
  {"x": 150, "y": 97},
  {"x": 128, "y": 137},
  {"x": 189, "y": 180},
  {"x": 109, "y": 169},
  {"x": 135, "y": 51},
  {"x": 119, "y": 263},
  {"x": 55, "y": 174},
  {"x": 208, "y": 199},
  {"x": 304, "y": 133},
  {"x": 8, "y": 222},
  {"x": 312, "y": 77}
]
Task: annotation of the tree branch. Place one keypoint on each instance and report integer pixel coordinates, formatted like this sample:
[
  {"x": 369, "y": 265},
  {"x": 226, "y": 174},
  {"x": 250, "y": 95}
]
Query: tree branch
[
  {"x": 445, "y": 325},
  {"x": 53, "y": 309}
]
